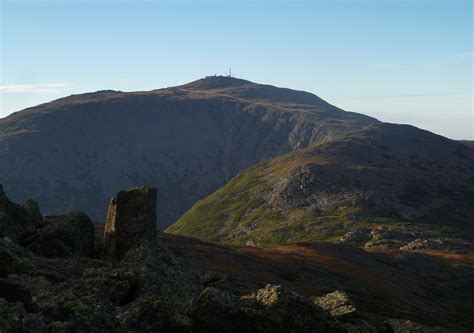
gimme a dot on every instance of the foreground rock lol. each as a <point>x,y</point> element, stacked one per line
<point>404,326</point>
<point>337,303</point>
<point>65,236</point>
<point>131,220</point>
<point>18,222</point>
<point>148,290</point>
<point>152,289</point>
<point>271,309</point>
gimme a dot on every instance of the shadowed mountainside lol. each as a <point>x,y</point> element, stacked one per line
<point>75,152</point>
<point>469,143</point>
<point>386,185</point>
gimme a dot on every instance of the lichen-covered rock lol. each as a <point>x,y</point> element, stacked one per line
<point>131,220</point>
<point>65,236</point>
<point>337,303</point>
<point>439,244</point>
<point>217,311</point>
<point>291,312</point>
<point>153,314</point>
<point>14,258</point>
<point>404,326</point>
<point>11,316</point>
<point>270,309</point>
<point>13,292</point>
<point>356,236</point>
<point>18,222</point>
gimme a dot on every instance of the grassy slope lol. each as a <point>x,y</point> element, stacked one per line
<point>238,212</point>
<point>239,202</point>
<point>241,210</point>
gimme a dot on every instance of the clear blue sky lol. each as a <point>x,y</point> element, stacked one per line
<point>400,61</point>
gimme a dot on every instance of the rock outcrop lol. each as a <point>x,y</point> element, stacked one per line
<point>404,326</point>
<point>131,220</point>
<point>63,236</point>
<point>337,303</point>
<point>154,287</point>
<point>18,222</point>
<point>374,177</point>
<point>270,309</point>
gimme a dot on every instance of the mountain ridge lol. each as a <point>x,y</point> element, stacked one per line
<point>386,184</point>
<point>85,147</point>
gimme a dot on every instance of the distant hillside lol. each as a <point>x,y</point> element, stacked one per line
<point>76,152</point>
<point>385,185</point>
<point>469,143</point>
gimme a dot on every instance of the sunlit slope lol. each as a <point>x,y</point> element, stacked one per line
<point>384,175</point>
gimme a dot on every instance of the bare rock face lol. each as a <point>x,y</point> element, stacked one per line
<point>131,221</point>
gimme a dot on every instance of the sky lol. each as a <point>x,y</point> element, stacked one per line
<point>399,61</point>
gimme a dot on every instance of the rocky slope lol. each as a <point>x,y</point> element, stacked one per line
<point>76,152</point>
<point>177,284</point>
<point>384,186</point>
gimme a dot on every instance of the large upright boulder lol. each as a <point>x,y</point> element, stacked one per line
<point>131,221</point>
<point>17,222</point>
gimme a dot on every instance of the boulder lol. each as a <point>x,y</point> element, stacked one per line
<point>153,314</point>
<point>217,311</point>
<point>33,212</point>
<point>13,291</point>
<point>404,325</point>
<point>18,222</point>
<point>64,236</point>
<point>356,236</point>
<point>439,244</point>
<point>270,309</point>
<point>14,259</point>
<point>337,303</point>
<point>131,220</point>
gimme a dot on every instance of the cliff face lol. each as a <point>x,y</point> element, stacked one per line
<point>76,152</point>
<point>386,185</point>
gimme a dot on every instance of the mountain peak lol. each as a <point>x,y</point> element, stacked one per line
<point>217,82</point>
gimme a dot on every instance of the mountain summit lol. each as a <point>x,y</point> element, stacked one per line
<point>187,141</point>
<point>249,91</point>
